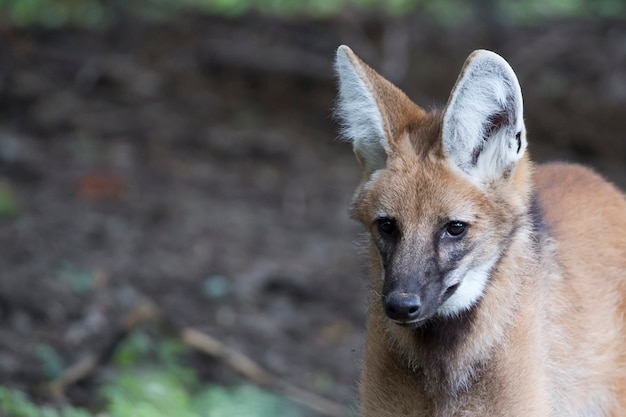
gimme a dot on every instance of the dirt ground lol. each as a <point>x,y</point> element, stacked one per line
<point>196,163</point>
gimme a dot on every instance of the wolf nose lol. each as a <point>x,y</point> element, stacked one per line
<point>402,306</point>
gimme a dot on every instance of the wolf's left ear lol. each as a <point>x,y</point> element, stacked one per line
<point>483,127</point>
<point>373,112</point>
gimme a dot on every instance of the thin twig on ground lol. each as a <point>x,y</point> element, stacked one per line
<point>147,311</point>
<point>256,374</point>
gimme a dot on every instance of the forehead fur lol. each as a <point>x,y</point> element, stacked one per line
<point>413,175</point>
<point>425,135</point>
<point>420,183</point>
<point>418,188</point>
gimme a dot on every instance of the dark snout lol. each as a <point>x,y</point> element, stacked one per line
<point>402,307</point>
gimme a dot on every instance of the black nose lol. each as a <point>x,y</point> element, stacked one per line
<point>402,306</point>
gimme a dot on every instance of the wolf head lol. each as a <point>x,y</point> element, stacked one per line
<point>442,192</point>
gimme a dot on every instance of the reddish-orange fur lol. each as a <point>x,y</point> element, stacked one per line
<point>548,336</point>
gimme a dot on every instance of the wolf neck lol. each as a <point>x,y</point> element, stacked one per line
<point>452,353</point>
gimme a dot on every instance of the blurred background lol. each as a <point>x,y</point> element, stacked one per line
<point>174,237</point>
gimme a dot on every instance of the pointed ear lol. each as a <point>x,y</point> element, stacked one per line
<point>372,111</point>
<point>483,127</point>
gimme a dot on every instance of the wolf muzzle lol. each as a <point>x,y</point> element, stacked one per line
<point>402,307</point>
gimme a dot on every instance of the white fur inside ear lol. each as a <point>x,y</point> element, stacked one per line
<point>483,128</point>
<point>361,121</point>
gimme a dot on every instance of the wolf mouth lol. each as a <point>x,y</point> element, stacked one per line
<point>420,320</point>
<point>413,324</point>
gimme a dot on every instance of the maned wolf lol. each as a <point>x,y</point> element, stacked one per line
<point>497,287</point>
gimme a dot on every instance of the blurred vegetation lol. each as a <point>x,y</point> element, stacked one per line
<point>50,361</point>
<point>10,206</point>
<point>15,403</point>
<point>151,379</point>
<point>101,13</point>
<point>159,394</point>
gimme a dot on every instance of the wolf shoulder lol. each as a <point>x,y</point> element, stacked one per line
<point>585,214</point>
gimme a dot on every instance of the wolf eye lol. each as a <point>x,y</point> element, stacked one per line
<point>386,226</point>
<point>456,228</point>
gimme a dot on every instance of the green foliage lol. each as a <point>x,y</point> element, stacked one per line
<point>51,362</point>
<point>14,403</point>
<point>448,12</point>
<point>153,382</point>
<point>142,352</point>
<point>529,11</point>
<point>149,393</point>
<point>156,393</point>
<point>56,13</point>
<point>242,401</point>
<point>79,280</point>
<point>95,13</point>
<point>137,345</point>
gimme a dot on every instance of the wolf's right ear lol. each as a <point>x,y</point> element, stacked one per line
<point>483,125</point>
<point>373,112</point>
